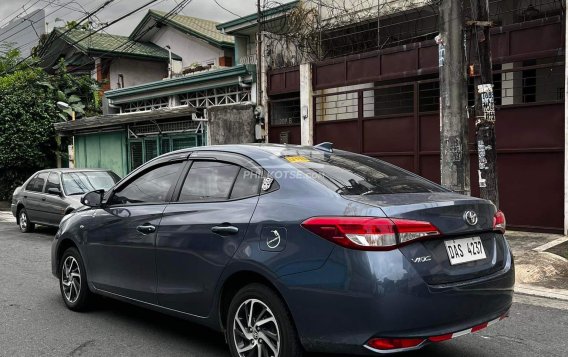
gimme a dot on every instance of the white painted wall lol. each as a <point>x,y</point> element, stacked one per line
<point>306,105</point>
<point>136,71</point>
<point>344,105</point>
<point>191,49</point>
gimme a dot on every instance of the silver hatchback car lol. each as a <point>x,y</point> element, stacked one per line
<point>48,195</point>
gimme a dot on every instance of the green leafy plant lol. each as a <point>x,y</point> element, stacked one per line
<point>28,110</point>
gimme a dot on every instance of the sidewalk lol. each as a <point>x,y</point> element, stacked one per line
<point>539,272</point>
<point>4,206</point>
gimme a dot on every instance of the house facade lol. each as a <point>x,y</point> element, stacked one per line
<point>163,111</point>
<point>114,61</point>
<point>195,40</point>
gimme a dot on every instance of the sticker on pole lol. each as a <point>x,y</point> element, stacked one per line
<point>487,103</point>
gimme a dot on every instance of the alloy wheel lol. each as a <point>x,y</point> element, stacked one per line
<point>23,221</point>
<point>255,330</point>
<point>71,279</point>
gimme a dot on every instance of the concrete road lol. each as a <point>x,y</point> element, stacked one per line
<point>34,320</point>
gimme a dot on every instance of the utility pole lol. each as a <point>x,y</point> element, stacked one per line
<point>258,54</point>
<point>454,156</point>
<point>484,101</point>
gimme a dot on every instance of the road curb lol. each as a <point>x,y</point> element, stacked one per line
<point>558,294</point>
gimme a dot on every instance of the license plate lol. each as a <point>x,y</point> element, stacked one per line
<point>465,250</point>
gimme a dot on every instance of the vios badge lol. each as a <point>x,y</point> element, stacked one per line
<point>273,239</point>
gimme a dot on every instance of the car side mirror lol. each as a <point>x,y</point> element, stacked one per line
<point>93,199</point>
<point>54,191</point>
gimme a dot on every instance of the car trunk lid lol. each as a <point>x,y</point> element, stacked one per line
<point>447,211</point>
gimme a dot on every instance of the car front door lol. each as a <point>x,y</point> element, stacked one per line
<point>34,198</point>
<point>121,236</point>
<point>202,230</point>
<point>54,204</point>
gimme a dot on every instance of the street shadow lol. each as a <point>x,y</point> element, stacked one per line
<point>44,230</point>
<point>204,338</point>
<point>161,324</point>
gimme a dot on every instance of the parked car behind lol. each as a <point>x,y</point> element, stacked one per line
<point>48,195</point>
<point>286,248</point>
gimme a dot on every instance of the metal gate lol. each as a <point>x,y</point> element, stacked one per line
<point>400,123</point>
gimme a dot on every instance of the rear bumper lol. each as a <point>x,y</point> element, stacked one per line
<point>359,295</point>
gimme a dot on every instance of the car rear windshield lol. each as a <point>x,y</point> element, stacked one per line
<point>78,183</point>
<point>352,174</point>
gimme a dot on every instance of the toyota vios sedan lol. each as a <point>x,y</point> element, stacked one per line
<point>289,249</point>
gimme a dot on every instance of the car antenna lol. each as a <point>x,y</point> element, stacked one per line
<point>325,146</point>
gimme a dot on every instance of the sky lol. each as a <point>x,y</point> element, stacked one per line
<point>68,10</point>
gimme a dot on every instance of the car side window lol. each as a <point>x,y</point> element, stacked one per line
<point>209,181</point>
<point>246,185</point>
<point>151,187</point>
<point>30,185</point>
<point>53,181</point>
<point>37,183</point>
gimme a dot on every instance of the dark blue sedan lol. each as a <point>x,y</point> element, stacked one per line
<point>289,249</point>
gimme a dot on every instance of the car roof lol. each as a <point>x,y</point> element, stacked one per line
<point>251,150</point>
<point>71,170</point>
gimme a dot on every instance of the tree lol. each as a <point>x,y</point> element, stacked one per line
<point>27,137</point>
<point>28,110</point>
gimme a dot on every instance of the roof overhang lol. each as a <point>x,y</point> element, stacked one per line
<point>104,122</point>
<point>243,25</point>
<point>150,20</point>
<point>57,44</point>
<point>198,81</point>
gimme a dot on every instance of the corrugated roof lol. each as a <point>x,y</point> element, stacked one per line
<point>113,44</point>
<point>195,26</point>
<point>107,120</point>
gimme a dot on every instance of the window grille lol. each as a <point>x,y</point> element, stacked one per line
<point>145,105</point>
<point>285,112</point>
<point>215,96</point>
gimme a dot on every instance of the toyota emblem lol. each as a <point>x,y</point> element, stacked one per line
<point>470,217</point>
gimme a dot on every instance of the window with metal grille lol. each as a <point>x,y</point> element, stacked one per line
<point>391,100</point>
<point>136,154</point>
<point>285,112</point>
<point>215,96</point>
<point>150,149</point>
<point>184,143</point>
<point>145,149</point>
<point>429,96</point>
<point>145,105</point>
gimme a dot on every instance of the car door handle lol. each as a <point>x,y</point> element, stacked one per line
<point>146,229</point>
<point>225,230</point>
<point>43,198</point>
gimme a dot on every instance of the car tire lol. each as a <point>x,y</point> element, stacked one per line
<point>73,281</point>
<point>276,338</point>
<point>24,221</point>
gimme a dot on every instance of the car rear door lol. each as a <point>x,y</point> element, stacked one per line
<point>202,230</point>
<point>121,237</point>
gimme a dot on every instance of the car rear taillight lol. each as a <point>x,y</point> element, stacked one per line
<point>499,222</point>
<point>369,233</point>
<point>390,344</point>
